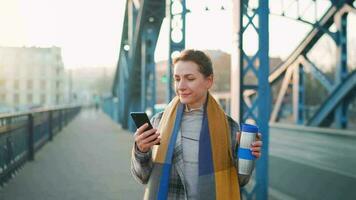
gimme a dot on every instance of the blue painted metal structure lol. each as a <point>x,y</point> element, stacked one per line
<point>109,105</point>
<point>298,94</point>
<point>341,68</point>
<point>176,15</point>
<point>259,108</point>
<point>344,92</point>
<point>335,14</point>
<point>131,66</point>
<point>148,73</point>
<point>134,84</point>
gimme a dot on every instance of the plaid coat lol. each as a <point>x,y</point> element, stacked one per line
<point>141,163</point>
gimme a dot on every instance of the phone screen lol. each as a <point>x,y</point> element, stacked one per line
<point>140,118</point>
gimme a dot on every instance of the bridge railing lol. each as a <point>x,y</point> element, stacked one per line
<point>110,106</point>
<point>23,134</point>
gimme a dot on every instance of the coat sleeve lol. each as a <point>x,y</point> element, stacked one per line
<point>141,163</point>
<point>234,128</point>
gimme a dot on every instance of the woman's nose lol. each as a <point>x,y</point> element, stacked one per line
<point>181,85</point>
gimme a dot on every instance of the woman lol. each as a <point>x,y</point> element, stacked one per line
<point>196,156</point>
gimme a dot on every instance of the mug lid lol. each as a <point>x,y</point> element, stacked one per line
<point>249,128</point>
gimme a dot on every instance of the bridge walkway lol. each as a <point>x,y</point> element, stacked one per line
<point>88,160</point>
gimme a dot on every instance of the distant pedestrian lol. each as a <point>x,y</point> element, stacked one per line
<point>196,156</point>
<point>97,102</point>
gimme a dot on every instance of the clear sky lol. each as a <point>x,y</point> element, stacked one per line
<point>89,31</point>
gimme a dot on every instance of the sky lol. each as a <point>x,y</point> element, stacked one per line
<point>89,32</point>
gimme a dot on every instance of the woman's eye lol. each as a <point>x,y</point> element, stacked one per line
<point>176,80</point>
<point>190,79</point>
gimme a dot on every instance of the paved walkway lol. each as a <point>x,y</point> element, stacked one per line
<point>89,159</point>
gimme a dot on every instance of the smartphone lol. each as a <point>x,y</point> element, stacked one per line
<point>140,118</point>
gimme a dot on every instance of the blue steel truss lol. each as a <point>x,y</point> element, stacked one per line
<point>319,28</point>
<point>317,73</point>
<point>136,18</point>
<point>341,68</point>
<point>255,17</point>
<point>134,83</point>
<point>335,14</point>
<point>176,14</point>
<point>148,72</point>
<point>298,94</point>
<point>344,92</point>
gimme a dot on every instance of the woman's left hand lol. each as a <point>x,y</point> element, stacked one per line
<point>256,145</point>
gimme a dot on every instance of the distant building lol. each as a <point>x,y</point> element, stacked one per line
<point>31,76</point>
<point>88,83</point>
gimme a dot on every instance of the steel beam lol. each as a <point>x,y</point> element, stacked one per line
<point>317,73</point>
<point>123,88</point>
<point>341,68</point>
<point>176,11</point>
<point>263,99</point>
<point>260,109</point>
<point>345,90</point>
<point>298,94</point>
<point>278,105</point>
<point>303,48</point>
<point>142,22</point>
<point>148,72</point>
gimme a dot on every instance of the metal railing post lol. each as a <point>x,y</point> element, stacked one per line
<point>60,120</point>
<point>31,139</point>
<point>50,126</point>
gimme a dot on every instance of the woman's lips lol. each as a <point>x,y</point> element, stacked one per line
<point>184,95</point>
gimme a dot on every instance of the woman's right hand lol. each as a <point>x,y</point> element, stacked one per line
<point>146,139</point>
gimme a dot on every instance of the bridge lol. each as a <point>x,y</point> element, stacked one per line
<point>89,158</point>
<point>77,152</point>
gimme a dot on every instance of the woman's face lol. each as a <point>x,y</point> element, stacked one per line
<point>190,85</point>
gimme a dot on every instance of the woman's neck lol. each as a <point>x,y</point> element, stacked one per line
<point>199,104</point>
<point>196,106</point>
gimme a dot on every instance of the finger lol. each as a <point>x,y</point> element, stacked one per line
<point>259,136</point>
<point>150,144</point>
<point>149,132</point>
<point>256,149</point>
<point>142,136</point>
<point>256,154</point>
<point>157,141</point>
<point>256,144</point>
<point>150,139</point>
<point>142,128</point>
<point>145,134</point>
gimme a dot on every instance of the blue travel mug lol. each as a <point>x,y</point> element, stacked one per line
<point>246,159</point>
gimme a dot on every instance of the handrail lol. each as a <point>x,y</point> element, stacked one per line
<point>38,110</point>
<point>22,134</point>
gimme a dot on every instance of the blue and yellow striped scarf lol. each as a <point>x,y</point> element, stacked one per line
<point>217,174</point>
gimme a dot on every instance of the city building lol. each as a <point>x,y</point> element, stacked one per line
<point>90,83</point>
<point>31,77</point>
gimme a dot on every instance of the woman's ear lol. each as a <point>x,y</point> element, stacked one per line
<point>210,81</point>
